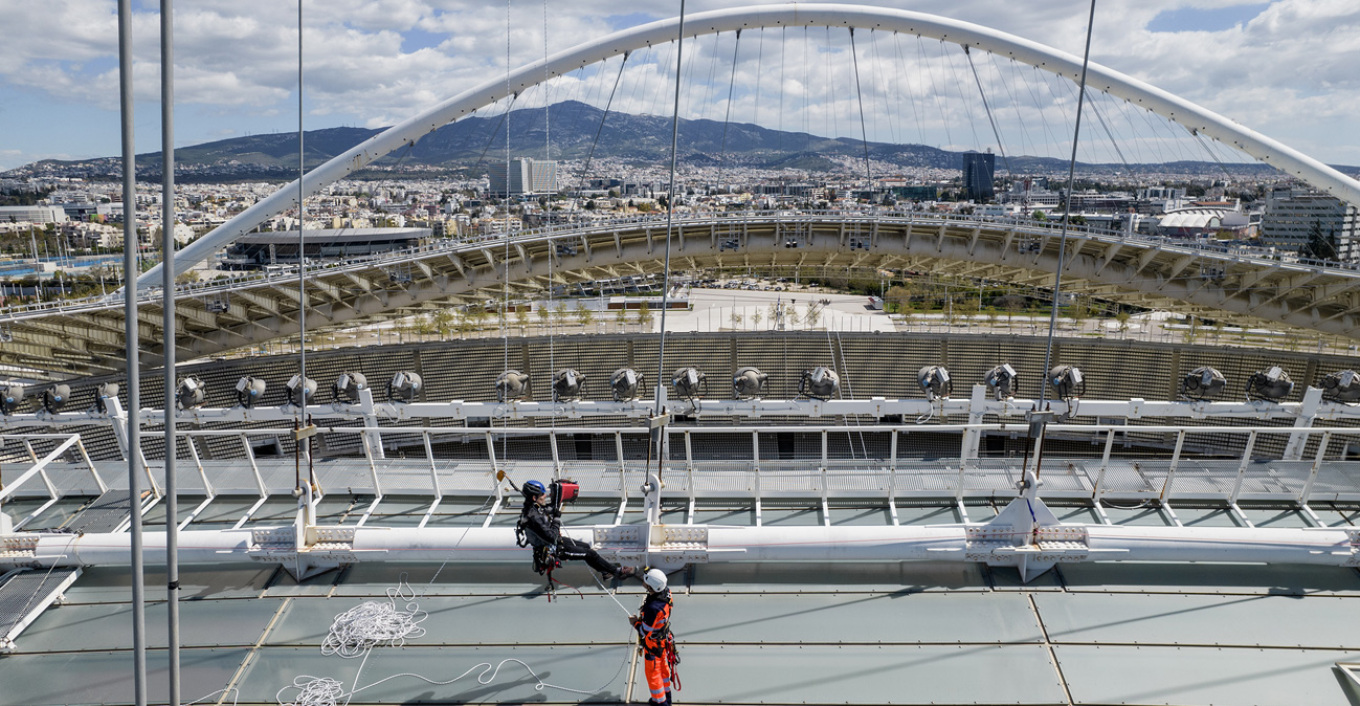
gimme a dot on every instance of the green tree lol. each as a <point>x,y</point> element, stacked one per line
<point>1319,246</point>
<point>644,315</point>
<point>584,317</point>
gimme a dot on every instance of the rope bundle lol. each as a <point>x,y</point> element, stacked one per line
<point>371,623</point>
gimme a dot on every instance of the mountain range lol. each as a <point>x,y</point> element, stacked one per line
<point>467,146</point>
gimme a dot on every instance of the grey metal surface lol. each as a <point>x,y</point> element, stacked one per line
<point>105,514</point>
<point>96,627</point>
<point>869,674</point>
<point>106,677</point>
<point>1203,675</point>
<point>1250,621</point>
<point>24,593</point>
<point>600,671</point>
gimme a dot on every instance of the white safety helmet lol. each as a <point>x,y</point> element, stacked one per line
<point>655,580</point>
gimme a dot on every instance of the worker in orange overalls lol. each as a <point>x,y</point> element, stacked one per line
<point>653,624</point>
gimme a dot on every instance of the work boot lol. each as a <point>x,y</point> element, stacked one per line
<point>668,698</point>
<point>626,572</point>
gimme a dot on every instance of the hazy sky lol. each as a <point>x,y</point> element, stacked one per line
<point>1285,68</point>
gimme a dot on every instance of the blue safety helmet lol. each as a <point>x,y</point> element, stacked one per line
<point>534,488</point>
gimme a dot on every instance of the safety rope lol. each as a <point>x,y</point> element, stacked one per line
<point>354,632</point>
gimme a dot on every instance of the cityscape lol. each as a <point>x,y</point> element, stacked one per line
<point>821,353</point>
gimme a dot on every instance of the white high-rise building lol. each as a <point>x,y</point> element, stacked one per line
<point>527,176</point>
<point>1292,215</point>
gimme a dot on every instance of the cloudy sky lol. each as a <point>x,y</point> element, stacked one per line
<point>1286,68</point>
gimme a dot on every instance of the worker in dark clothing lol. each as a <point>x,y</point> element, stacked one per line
<point>653,624</point>
<point>540,527</point>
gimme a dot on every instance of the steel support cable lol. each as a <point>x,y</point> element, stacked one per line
<point>1053,95</point>
<point>505,253</point>
<point>1067,212</point>
<point>807,84</point>
<point>1001,146</point>
<point>783,50</point>
<point>132,338</point>
<point>590,155</point>
<point>878,81</point>
<point>897,76</point>
<point>934,88</point>
<point>660,91</point>
<point>170,336</point>
<point>1026,142</point>
<point>547,155</point>
<point>1208,148</point>
<point>302,256</point>
<point>670,218</point>
<point>863,131</point>
<point>760,56</point>
<point>634,103</point>
<point>712,68</point>
<point>727,118</point>
<point>505,117</point>
<point>835,128</point>
<point>1049,138</point>
<point>1138,138</point>
<point>1095,110</point>
<point>948,60</point>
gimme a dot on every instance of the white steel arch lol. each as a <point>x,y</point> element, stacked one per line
<point>1193,117</point>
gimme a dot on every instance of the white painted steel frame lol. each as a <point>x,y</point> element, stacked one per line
<point>1195,118</point>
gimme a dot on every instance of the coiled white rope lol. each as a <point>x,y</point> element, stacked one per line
<point>370,623</point>
<point>358,630</point>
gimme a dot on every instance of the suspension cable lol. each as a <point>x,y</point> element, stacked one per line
<point>863,132</point>
<point>1067,214</point>
<point>590,156</point>
<point>988,107</point>
<point>727,119</point>
<point>670,218</point>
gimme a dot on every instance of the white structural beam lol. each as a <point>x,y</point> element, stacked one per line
<point>997,543</point>
<point>1195,118</point>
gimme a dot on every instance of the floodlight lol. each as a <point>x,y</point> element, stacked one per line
<point>190,393</point>
<point>12,397</point>
<point>512,385</point>
<point>748,383</point>
<point>347,386</point>
<point>690,383</point>
<point>404,386</point>
<point>820,382</point>
<point>1341,386</point>
<point>1202,383</point>
<point>1273,384</point>
<point>55,397</point>
<point>250,390</point>
<point>934,379</point>
<point>568,384</point>
<point>1067,381</point>
<point>1003,380</point>
<point>301,390</point>
<point>102,394</point>
<point>625,383</point>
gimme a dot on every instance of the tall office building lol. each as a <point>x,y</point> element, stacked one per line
<point>1292,215</point>
<point>978,168</point>
<point>527,176</point>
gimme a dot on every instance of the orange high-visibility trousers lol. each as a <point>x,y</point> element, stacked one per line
<point>658,678</point>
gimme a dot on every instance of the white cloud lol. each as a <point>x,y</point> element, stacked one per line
<point>1288,73</point>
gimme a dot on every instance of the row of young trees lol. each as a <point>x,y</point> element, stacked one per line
<point>445,322</point>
